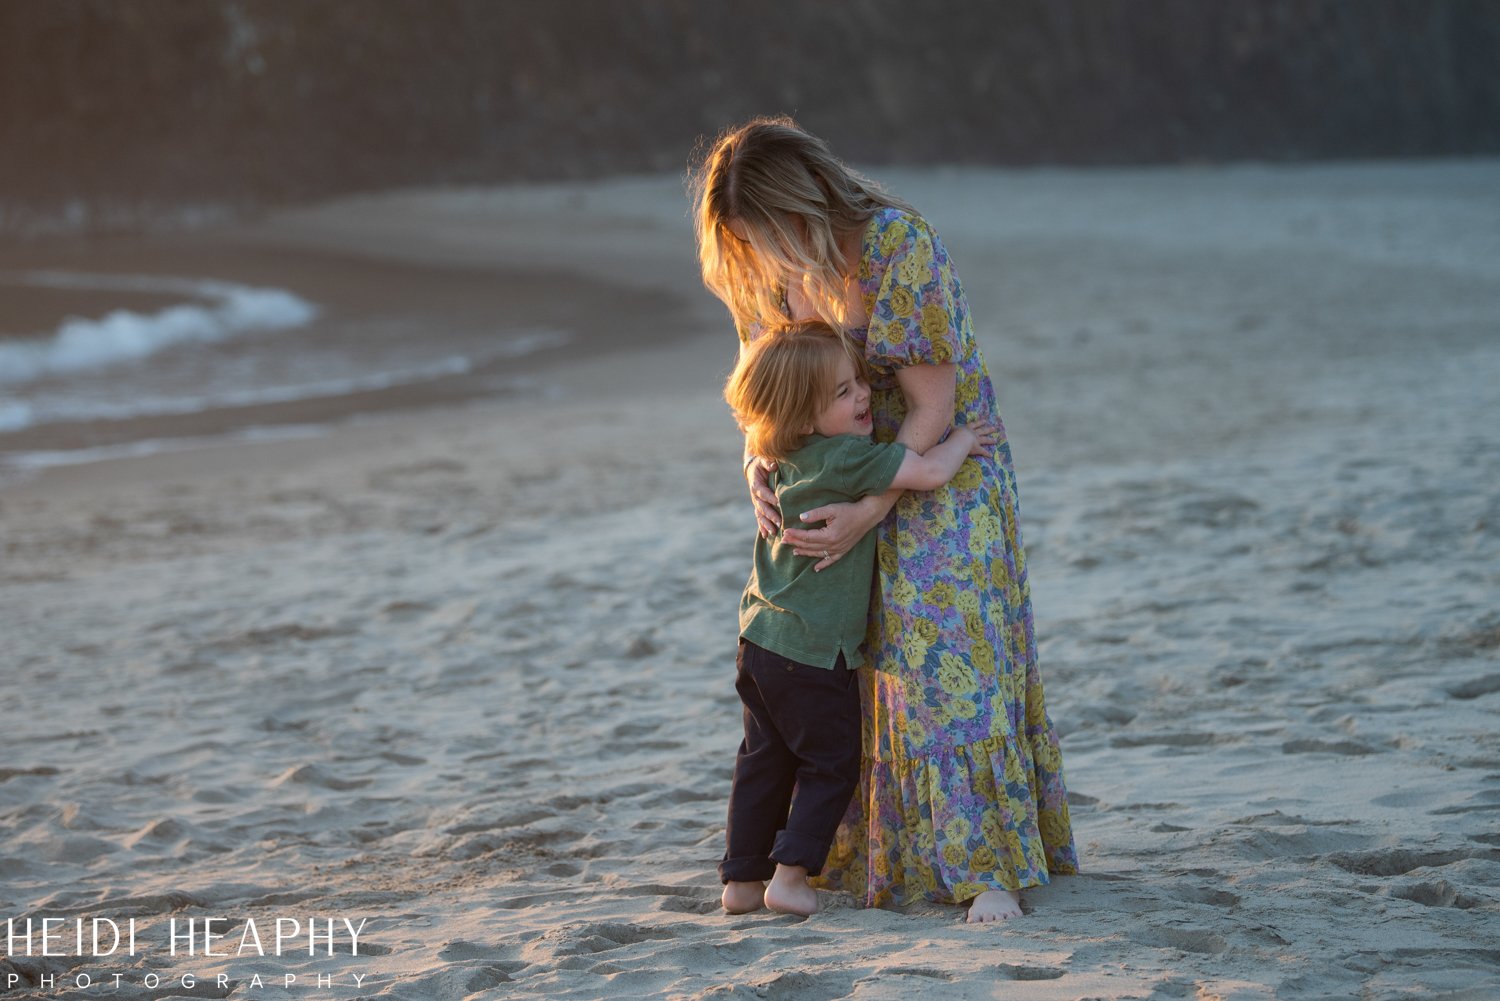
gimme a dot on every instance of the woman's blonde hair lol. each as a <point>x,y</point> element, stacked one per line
<point>796,201</point>
<point>784,380</point>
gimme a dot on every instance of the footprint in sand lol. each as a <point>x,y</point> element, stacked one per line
<point>1436,893</point>
<point>1399,861</point>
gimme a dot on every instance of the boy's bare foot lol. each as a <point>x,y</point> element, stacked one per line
<point>742,898</point>
<point>995,905</point>
<point>789,892</point>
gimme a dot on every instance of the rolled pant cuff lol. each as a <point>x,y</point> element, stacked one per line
<point>746,869</point>
<point>792,848</point>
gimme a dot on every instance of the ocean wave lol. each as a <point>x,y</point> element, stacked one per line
<point>17,415</point>
<point>82,344</point>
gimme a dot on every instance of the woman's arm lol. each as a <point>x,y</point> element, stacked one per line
<point>767,510</point>
<point>930,391</point>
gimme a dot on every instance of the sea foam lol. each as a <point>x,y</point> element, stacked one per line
<point>225,310</point>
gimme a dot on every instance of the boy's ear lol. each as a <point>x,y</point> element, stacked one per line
<point>807,430</point>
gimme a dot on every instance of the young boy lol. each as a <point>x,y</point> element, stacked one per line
<point>800,395</point>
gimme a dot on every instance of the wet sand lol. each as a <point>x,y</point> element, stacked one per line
<point>466,673</point>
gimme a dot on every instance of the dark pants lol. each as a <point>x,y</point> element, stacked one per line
<point>797,766</point>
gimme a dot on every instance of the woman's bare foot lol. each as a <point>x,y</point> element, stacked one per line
<point>789,892</point>
<point>742,898</point>
<point>995,905</point>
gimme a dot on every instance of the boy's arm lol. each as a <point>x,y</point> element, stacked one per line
<point>935,467</point>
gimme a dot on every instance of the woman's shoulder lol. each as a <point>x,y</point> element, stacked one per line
<point>895,217</point>
<point>894,228</point>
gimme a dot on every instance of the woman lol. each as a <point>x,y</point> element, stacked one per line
<point>962,796</point>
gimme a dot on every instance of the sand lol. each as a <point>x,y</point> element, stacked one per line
<point>465,673</point>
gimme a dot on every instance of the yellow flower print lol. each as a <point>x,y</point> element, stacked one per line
<point>963,709</point>
<point>1036,713</point>
<point>892,629</point>
<point>946,520</point>
<point>992,829</point>
<point>891,239</point>
<point>904,592</point>
<point>1055,829</point>
<point>921,252</point>
<point>925,629</point>
<point>977,545</point>
<point>958,829</point>
<point>1013,768</point>
<point>1000,575</point>
<point>969,477</point>
<point>906,544</point>
<point>882,865</point>
<point>936,322</point>
<point>942,594</point>
<point>968,603</point>
<point>911,688</point>
<point>911,273</point>
<point>954,855</point>
<point>886,557</point>
<point>982,654</point>
<point>903,303</point>
<point>942,717</point>
<point>955,676</point>
<point>983,860</point>
<point>916,733</point>
<point>916,652</point>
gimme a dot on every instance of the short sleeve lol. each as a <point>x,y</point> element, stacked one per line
<point>868,467</point>
<point>915,318</point>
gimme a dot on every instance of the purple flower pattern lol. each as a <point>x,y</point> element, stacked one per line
<point>963,785</point>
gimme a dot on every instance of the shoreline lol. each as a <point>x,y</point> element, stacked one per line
<point>323,255</point>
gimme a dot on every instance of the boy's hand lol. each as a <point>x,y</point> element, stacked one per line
<point>984,434</point>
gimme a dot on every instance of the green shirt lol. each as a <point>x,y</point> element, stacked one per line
<point>813,617</point>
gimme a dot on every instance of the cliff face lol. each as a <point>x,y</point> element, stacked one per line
<point>268,100</point>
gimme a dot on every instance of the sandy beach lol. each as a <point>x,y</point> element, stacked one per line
<point>459,665</point>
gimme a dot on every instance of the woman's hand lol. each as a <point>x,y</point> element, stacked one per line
<point>844,525</point>
<point>767,511</point>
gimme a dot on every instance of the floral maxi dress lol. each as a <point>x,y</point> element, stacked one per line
<point>962,788</point>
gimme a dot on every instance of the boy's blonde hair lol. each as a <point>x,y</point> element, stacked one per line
<point>783,380</point>
<point>796,201</point>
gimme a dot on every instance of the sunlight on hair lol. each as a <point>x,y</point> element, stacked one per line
<point>773,207</point>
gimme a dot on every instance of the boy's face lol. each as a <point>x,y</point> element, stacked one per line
<point>848,409</point>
